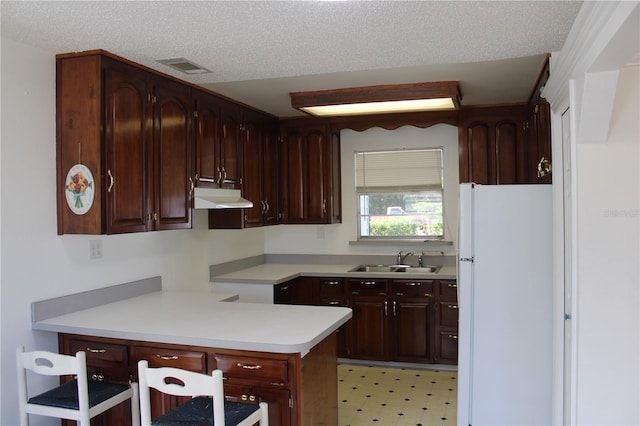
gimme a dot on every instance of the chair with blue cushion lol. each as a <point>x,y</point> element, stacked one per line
<point>79,399</point>
<point>201,409</point>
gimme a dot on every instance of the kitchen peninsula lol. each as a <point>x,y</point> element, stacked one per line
<point>284,355</point>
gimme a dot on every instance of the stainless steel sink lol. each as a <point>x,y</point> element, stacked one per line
<point>420,269</point>
<point>397,268</point>
<point>375,268</point>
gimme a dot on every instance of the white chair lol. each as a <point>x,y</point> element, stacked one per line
<point>200,410</point>
<point>77,399</point>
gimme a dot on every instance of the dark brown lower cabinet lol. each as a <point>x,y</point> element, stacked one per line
<point>446,349</point>
<point>276,398</point>
<point>299,390</point>
<point>370,328</point>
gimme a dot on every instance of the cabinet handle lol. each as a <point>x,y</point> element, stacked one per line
<point>268,206</point>
<point>386,308</point>
<point>399,293</point>
<point>355,292</point>
<point>97,377</point>
<point>452,306</point>
<point>368,282</point>
<point>249,367</point>
<point>111,180</point>
<point>219,176</point>
<point>96,351</point>
<point>453,336</point>
<point>191,187</point>
<point>544,167</point>
<point>394,308</point>
<point>286,287</point>
<point>224,174</point>
<point>332,282</point>
<point>334,303</point>
<point>452,285</point>
<point>412,284</point>
<point>167,357</point>
<point>428,295</point>
<point>155,217</point>
<point>264,207</point>
<point>251,398</point>
<point>277,384</point>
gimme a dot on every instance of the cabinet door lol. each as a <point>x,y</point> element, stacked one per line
<point>270,174</point>
<point>277,399</point>
<point>107,359</point>
<point>127,142</point>
<point>253,160</point>
<point>412,341</point>
<point>282,293</point>
<point>172,155</point>
<point>370,328</point>
<point>492,146</point>
<point>316,159</point>
<point>306,184</point>
<point>207,139</point>
<point>164,357</point>
<point>231,120</point>
<point>294,181</point>
<point>539,141</point>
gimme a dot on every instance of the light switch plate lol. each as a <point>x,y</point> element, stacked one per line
<point>95,249</point>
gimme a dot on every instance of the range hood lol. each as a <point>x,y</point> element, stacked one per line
<point>210,198</point>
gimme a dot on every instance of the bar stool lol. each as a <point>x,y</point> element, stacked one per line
<point>78,399</point>
<point>200,410</point>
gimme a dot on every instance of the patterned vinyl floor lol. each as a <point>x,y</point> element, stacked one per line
<point>390,396</point>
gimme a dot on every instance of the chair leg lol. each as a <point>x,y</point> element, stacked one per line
<point>135,405</point>
<point>264,407</point>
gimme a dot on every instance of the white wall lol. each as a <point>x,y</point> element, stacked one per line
<point>36,262</point>
<point>608,229</point>
<point>334,239</point>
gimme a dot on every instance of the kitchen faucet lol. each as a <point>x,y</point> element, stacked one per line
<point>402,257</point>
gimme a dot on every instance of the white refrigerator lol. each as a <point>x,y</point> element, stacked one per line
<point>505,305</point>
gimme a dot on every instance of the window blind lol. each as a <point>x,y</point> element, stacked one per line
<point>383,171</point>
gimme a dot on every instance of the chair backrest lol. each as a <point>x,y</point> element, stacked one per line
<point>190,383</point>
<point>52,364</point>
<point>49,363</point>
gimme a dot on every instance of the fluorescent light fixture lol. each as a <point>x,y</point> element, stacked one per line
<point>443,95</point>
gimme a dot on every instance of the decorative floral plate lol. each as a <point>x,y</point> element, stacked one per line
<point>79,189</point>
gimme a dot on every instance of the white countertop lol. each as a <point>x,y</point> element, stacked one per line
<point>203,319</point>
<point>275,273</point>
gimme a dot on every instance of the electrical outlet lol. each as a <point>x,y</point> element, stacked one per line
<point>95,249</point>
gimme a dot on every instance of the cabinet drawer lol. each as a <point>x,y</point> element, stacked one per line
<point>449,288</point>
<point>448,347</point>
<point>268,370</point>
<point>448,314</point>
<point>101,354</point>
<point>331,289</point>
<point>163,357</point>
<point>412,288</point>
<point>368,286</point>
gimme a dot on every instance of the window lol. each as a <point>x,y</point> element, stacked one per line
<point>399,194</point>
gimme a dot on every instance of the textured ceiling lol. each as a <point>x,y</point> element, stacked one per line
<point>258,51</point>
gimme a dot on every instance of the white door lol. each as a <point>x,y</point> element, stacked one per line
<point>569,300</point>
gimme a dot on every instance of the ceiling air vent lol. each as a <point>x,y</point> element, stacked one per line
<point>184,65</point>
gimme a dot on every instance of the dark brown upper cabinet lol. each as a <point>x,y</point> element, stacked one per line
<point>260,169</point>
<point>310,181</point>
<point>133,130</point>
<point>218,133</point>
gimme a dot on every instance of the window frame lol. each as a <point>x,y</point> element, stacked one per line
<point>398,189</point>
